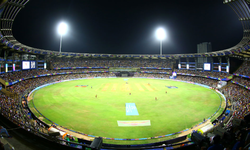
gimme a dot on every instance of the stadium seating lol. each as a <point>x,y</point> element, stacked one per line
<point>10,107</point>
<point>244,69</point>
<point>17,85</point>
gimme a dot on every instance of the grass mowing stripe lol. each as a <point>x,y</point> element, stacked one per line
<point>98,116</point>
<point>139,87</point>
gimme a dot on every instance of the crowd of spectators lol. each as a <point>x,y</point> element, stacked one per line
<point>201,80</point>
<point>158,71</point>
<point>14,76</point>
<point>242,80</point>
<point>204,73</point>
<point>244,69</point>
<point>237,127</point>
<point>151,75</point>
<point>20,87</point>
<point>15,108</point>
<point>210,82</point>
<point>240,98</point>
<point>18,113</point>
<point>78,70</point>
<point>11,109</point>
<point>79,62</point>
<point>74,62</point>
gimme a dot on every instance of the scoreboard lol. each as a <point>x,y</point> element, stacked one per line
<point>28,64</point>
<point>207,67</point>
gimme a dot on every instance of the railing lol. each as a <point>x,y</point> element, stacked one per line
<point>2,81</point>
<point>33,128</point>
<point>45,135</point>
<point>8,93</point>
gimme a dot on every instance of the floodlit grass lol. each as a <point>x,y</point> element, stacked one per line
<point>77,108</point>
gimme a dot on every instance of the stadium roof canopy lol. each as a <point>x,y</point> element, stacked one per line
<point>10,8</point>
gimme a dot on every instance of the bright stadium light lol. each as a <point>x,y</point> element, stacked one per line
<point>62,29</point>
<point>161,35</point>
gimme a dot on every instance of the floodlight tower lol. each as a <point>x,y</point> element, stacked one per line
<point>62,29</point>
<point>161,35</point>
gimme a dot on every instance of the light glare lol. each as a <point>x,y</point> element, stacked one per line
<point>62,28</point>
<point>160,34</point>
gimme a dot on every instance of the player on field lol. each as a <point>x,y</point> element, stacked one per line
<point>156,98</point>
<point>96,96</point>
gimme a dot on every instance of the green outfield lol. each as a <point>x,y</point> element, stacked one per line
<point>93,106</point>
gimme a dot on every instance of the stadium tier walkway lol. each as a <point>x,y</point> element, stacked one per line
<point>179,135</point>
<point>76,134</point>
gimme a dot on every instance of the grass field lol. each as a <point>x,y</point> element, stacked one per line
<point>79,109</point>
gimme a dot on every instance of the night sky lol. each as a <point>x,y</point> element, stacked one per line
<point>127,26</point>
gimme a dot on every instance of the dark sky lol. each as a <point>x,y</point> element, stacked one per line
<point>127,26</point>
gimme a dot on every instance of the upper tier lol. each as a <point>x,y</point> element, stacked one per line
<point>9,10</point>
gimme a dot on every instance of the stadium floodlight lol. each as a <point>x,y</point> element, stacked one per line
<point>62,29</point>
<point>161,35</point>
